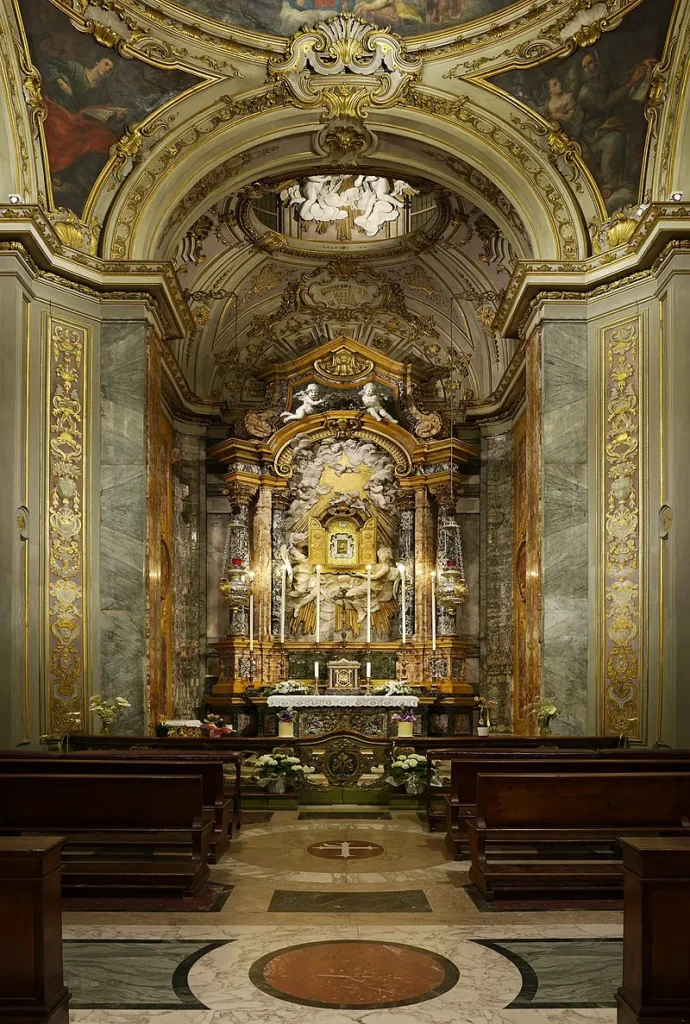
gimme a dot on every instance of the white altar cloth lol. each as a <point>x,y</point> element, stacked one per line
<point>340,700</point>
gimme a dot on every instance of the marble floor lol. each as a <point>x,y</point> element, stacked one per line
<point>335,920</point>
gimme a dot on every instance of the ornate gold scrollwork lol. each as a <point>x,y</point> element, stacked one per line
<point>67,345</point>
<point>622,472</point>
<point>346,65</point>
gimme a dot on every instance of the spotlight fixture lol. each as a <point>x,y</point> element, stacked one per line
<point>15,199</point>
<point>676,197</point>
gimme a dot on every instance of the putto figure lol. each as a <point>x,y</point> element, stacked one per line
<point>310,403</point>
<point>372,404</point>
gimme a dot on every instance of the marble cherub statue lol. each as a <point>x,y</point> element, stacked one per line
<point>310,402</point>
<point>372,404</point>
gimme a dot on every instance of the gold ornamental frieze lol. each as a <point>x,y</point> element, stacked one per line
<point>622,478</point>
<point>68,348</point>
<point>326,428</point>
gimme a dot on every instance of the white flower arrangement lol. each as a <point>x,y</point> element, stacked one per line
<point>275,767</point>
<point>410,770</point>
<point>291,686</point>
<point>394,688</point>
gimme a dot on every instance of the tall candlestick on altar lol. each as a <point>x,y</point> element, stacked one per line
<point>368,604</point>
<point>283,595</point>
<point>251,612</point>
<point>318,604</point>
<point>403,595</point>
<point>433,612</point>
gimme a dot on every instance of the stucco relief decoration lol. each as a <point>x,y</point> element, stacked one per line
<point>345,65</point>
<point>362,204</point>
<point>66,456</point>
<point>622,470</point>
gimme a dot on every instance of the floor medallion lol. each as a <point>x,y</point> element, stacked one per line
<point>354,974</point>
<point>336,849</point>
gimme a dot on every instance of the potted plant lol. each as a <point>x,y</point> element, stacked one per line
<point>276,770</point>
<point>484,720</point>
<point>73,722</point>
<point>162,728</point>
<point>545,712</point>
<point>405,719</point>
<point>108,713</point>
<point>215,727</point>
<point>286,722</point>
<point>410,770</point>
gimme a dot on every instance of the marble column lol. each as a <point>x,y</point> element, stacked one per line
<point>448,549</point>
<point>123,518</point>
<point>496,577</point>
<point>278,511</point>
<point>565,567</point>
<point>237,546</point>
<point>189,589</point>
<point>424,559</point>
<point>262,563</point>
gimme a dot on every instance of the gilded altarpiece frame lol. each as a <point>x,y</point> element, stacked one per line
<point>67,348</point>
<point>623,348</point>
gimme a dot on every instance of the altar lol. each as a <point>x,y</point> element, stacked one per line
<point>364,713</point>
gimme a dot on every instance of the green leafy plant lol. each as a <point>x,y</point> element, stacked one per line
<point>108,713</point>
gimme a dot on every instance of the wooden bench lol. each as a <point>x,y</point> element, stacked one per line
<point>117,829</point>
<point>32,988</point>
<point>566,810</point>
<point>460,802</point>
<point>217,809</point>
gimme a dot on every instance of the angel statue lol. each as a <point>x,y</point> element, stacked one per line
<point>310,403</point>
<point>379,202</point>
<point>372,404</point>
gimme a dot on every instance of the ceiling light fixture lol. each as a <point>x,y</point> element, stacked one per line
<point>676,197</point>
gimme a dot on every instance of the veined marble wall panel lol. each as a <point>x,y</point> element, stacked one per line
<point>468,614</point>
<point>216,533</point>
<point>123,518</point>
<point>565,567</point>
<point>496,577</point>
<point>189,597</point>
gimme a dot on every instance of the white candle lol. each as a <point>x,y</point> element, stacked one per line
<point>283,594</point>
<point>401,569</point>
<point>316,670</point>
<point>368,670</point>
<point>368,604</point>
<point>433,611</point>
<point>251,612</point>
<point>318,605</point>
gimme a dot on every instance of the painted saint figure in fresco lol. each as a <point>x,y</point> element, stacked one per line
<point>80,119</point>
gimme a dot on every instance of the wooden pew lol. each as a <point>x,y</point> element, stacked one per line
<point>656,938</point>
<point>103,815</point>
<point>32,988</point>
<point>460,803</point>
<point>578,809</point>
<point>217,809</point>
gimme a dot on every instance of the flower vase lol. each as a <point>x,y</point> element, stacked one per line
<point>415,785</point>
<point>286,728</point>
<point>405,728</point>
<point>105,728</point>
<point>482,730</point>
<point>545,725</point>
<point>277,785</point>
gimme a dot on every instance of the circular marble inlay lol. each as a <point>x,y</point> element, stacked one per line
<point>350,849</point>
<point>352,974</point>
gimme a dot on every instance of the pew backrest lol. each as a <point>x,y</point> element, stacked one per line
<point>592,800</point>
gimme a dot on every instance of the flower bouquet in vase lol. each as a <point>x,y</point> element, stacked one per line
<point>276,770</point>
<point>405,719</point>
<point>108,713</point>
<point>214,727</point>
<point>410,770</point>
<point>484,720</point>
<point>545,711</point>
<point>286,722</point>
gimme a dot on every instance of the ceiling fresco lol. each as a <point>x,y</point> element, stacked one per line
<point>598,98</point>
<point>91,95</point>
<point>408,17</point>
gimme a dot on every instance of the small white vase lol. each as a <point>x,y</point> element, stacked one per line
<point>405,728</point>
<point>286,728</point>
<point>482,730</point>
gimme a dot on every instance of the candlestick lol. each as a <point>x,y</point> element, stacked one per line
<point>251,612</point>
<point>318,604</point>
<point>433,612</point>
<point>368,604</point>
<point>401,570</point>
<point>283,595</point>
